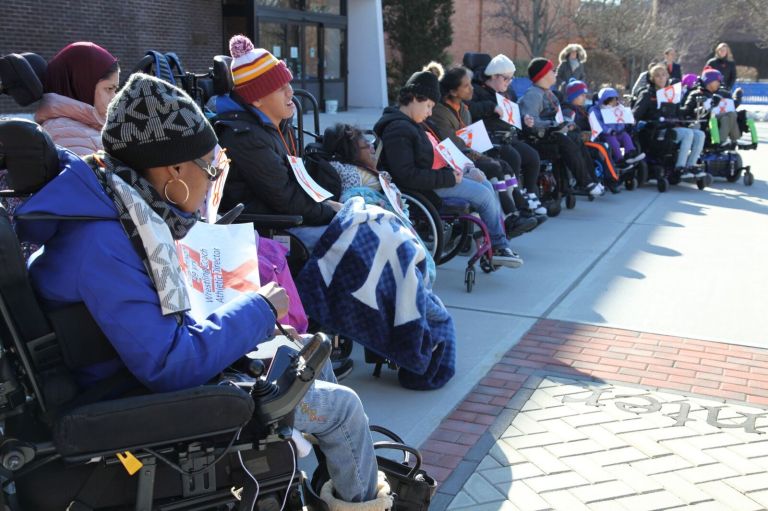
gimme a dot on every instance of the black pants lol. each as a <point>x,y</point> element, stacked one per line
<point>525,162</point>
<point>578,162</point>
<point>497,168</point>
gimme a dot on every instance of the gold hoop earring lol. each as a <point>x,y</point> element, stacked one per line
<point>186,190</point>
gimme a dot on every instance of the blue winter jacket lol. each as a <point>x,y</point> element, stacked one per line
<point>94,262</point>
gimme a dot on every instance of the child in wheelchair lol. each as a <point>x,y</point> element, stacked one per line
<point>124,269</point>
<point>702,103</point>
<point>615,134</point>
<point>542,105</point>
<point>409,154</point>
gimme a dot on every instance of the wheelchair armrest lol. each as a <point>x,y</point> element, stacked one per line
<point>270,221</point>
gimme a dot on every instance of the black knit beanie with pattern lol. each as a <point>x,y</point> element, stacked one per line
<point>151,123</point>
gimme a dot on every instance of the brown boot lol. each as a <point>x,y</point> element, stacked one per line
<point>382,502</point>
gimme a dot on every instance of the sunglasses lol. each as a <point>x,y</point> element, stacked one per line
<point>214,172</point>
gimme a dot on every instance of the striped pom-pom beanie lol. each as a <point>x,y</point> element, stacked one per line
<point>256,72</point>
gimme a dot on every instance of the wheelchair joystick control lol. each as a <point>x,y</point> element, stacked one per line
<point>256,368</point>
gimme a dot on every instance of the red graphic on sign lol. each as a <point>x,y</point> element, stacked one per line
<point>619,113</point>
<point>667,92</point>
<point>236,279</point>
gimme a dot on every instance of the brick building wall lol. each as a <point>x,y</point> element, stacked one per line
<point>472,22</point>
<point>127,28</point>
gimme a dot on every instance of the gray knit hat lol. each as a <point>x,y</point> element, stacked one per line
<point>151,123</point>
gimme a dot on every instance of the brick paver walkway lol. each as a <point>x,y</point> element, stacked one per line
<point>583,417</point>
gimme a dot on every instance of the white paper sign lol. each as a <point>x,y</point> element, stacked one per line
<point>453,155</point>
<point>476,137</point>
<point>511,112</point>
<point>618,114</point>
<point>594,125</point>
<point>216,192</point>
<point>314,190</point>
<point>559,116</point>
<point>671,94</point>
<point>391,195</point>
<point>726,105</point>
<point>219,262</point>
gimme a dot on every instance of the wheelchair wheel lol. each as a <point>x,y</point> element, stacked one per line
<point>570,200</point>
<point>459,238</point>
<point>469,279</point>
<point>701,183</point>
<point>426,221</point>
<point>630,184</point>
<point>554,209</point>
<point>749,178</point>
<point>641,173</point>
<point>674,178</point>
<point>662,184</point>
<point>736,165</point>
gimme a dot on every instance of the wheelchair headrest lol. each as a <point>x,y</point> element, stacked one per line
<point>29,154</point>
<point>21,76</point>
<point>222,75</point>
<point>476,61</point>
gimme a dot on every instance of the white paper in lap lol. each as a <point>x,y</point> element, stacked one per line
<point>219,262</point>
<point>476,137</point>
<point>309,185</point>
<point>619,114</point>
<point>452,154</point>
<point>511,111</point>
<point>391,196</point>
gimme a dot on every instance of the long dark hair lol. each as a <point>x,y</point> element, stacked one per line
<point>341,142</point>
<point>452,79</point>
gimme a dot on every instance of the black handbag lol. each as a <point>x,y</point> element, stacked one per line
<point>411,486</point>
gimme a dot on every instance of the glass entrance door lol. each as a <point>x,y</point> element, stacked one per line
<point>313,52</point>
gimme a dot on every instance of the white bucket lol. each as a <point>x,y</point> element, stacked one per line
<point>331,106</point>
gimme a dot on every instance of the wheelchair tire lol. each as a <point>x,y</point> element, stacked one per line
<point>749,178</point>
<point>469,279</point>
<point>630,184</point>
<point>570,200</point>
<point>426,220</point>
<point>674,178</point>
<point>461,241</point>
<point>641,173</point>
<point>554,209</point>
<point>738,163</point>
<point>662,184</point>
<point>701,183</point>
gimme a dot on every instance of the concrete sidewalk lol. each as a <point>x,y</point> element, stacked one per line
<point>686,264</point>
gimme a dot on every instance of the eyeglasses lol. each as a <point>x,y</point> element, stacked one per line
<point>214,172</point>
<point>506,78</point>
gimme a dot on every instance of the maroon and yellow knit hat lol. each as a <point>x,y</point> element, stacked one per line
<point>256,72</point>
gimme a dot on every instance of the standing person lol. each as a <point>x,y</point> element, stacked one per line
<point>79,83</point>
<point>134,295</point>
<point>542,105</point>
<point>691,141</point>
<point>410,156</point>
<point>673,68</point>
<point>723,62</point>
<point>522,158</point>
<point>451,114</point>
<point>571,66</point>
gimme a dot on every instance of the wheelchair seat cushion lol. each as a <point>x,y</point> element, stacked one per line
<point>454,206</point>
<point>154,419</point>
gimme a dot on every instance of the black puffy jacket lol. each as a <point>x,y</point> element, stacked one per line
<point>645,107</point>
<point>407,153</point>
<point>259,174</point>
<point>483,107</point>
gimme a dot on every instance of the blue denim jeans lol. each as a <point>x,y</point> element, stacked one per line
<point>484,199</point>
<point>334,414</point>
<point>691,144</point>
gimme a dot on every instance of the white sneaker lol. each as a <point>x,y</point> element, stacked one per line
<point>534,204</point>
<point>687,174</point>
<point>700,174</point>
<point>507,257</point>
<point>636,159</point>
<point>595,189</point>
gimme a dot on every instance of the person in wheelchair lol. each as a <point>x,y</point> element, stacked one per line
<point>410,156</point>
<point>542,105</point>
<point>703,98</point>
<point>580,131</point>
<point>496,78</point>
<point>451,114</point>
<point>668,116</point>
<point>615,135</point>
<point>146,191</point>
<point>79,83</point>
<point>253,124</point>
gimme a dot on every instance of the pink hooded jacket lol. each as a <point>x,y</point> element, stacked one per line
<point>72,124</point>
